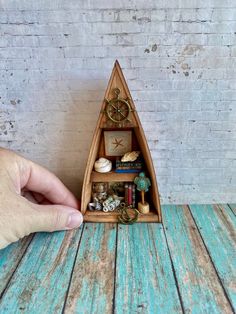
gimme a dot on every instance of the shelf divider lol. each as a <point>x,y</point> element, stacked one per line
<point>112,176</point>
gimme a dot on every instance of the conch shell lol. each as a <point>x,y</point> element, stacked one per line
<point>103,165</point>
<point>130,156</point>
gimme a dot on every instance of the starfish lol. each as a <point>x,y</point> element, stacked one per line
<point>117,143</point>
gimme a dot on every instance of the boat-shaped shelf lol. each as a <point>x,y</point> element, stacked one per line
<point>118,131</point>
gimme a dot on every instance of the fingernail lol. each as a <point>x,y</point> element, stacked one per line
<point>75,220</point>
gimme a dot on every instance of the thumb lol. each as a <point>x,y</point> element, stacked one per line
<point>24,217</point>
<point>55,217</point>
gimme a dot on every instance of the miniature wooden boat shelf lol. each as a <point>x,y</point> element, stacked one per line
<point>128,181</point>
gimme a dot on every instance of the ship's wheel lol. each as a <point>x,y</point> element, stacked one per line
<point>117,109</point>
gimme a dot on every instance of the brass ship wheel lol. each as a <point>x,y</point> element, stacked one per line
<point>117,109</point>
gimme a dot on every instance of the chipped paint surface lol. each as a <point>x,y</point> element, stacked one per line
<point>186,265</point>
<point>218,227</point>
<point>92,284</point>
<point>9,259</point>
<point>195,273</point>
<point>144,267</point>
<point>43,274</point>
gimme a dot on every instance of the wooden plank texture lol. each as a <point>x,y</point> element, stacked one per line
<point>144,279</point>
<point>233,208</point>
<point>217,225</point>
<point>36,277</point>
<point>10,257</point>
<point>92,284</point>
<point>40,283</point>
<point>198,283</point>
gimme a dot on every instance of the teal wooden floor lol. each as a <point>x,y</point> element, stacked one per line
<point>186,265</point>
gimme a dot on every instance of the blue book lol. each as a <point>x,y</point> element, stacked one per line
<point>127,170</point>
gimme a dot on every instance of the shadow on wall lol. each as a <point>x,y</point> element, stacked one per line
<point>74,133</point>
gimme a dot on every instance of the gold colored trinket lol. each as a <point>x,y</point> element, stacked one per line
<point>118,109</point>
<point>124,217</point>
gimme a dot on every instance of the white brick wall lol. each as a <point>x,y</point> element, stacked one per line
<point>179,57</point>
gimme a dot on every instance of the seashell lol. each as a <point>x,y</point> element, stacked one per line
<point>130,156</point>
<point>103,165</point>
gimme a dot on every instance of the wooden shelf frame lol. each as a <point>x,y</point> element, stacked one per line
<point>93,216</point>
<point>117,80</point>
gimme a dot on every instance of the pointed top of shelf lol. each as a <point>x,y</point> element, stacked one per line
<point>117,80</point>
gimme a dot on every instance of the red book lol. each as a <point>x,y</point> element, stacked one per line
<point>130,198</point>
<point>126,194</point>
<point>133,196</point>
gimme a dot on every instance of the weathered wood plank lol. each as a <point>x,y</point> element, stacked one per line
<point>144,278</point>
<point>217,225</point>
<point>40,283</point>
<point>233,208</point>
<point>198,283</point>
<point>10,257</point>
<point>92,284</point>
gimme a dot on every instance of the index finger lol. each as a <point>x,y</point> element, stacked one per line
<point>41,180</point>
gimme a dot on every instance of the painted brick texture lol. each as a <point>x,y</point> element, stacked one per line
<point>179,58</point>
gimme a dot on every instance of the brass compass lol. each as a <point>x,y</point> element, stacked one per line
<point>118,109</point>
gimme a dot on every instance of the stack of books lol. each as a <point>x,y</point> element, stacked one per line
<point>130,194</point>
<point>128,166</point>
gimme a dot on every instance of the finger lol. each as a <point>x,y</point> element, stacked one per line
<point>40,198</point>
<point>15,224</point>
<point>55,217</point>
<point>29,196</point>
<point>42,181</point>
<point>35,197</point>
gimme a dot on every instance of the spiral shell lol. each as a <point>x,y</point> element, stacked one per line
<point>103,165</point>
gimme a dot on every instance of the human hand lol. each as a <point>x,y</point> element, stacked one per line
<point>32,199</point>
